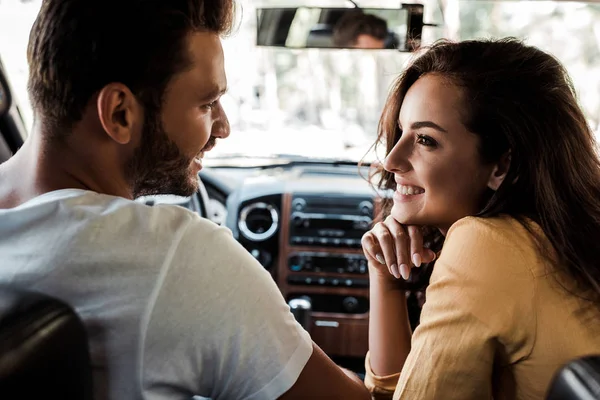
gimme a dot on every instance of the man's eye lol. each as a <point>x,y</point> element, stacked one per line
<point>426,141</point>
<point>210,106</point>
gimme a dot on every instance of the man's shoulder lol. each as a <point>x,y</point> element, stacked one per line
<point>115,220</point>
<point>136,216</point>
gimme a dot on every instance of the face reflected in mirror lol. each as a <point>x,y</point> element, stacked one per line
<point>340,28</point>
<point>369,42</point>
<point>440,176</point>
<point>359,30</point>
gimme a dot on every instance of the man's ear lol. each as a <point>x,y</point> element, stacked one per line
<point>500,171</point>
<point>118,111</point>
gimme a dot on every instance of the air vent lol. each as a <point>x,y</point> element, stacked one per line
<point>258,221</point>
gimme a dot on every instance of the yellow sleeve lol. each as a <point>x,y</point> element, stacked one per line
<point>478,314</point>
<point>381,387</point>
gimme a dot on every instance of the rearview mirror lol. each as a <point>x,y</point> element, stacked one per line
<point>343,28</point>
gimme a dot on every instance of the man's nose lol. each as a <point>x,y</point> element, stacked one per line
<point>221,128</point>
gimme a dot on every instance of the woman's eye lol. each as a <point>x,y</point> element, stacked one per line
<point>426,141</point>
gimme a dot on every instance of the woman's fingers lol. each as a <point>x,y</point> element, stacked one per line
<point>397,248</point>
<point>388,249</point>
<point>401,242</point>
<point>370,247</point>
<point>379,248</point>
<point>429,256</point>
<point>416,245</point>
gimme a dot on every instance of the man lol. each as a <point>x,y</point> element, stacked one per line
<point>126,100</point>
<point>358,30</point>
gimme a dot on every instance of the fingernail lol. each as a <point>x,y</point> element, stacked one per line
<point>394,269</point>
<point>380,258</point>
<point>416,259</point>
<point>405,271</point>
<point>433,254</point>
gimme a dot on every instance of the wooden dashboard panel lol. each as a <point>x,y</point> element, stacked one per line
<point>338,334</point>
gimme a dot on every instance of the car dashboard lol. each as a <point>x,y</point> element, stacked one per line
<point>304,225</point>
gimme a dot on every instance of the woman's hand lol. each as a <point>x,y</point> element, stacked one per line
<point>392,249</point>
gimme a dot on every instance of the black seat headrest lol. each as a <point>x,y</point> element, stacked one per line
<point>43,348</point>
<point>578,380</point>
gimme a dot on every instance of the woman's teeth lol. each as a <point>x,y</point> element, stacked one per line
<point>409,190</point>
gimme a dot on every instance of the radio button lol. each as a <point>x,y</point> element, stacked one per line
<point>349,282</point>
<point>322,281</point>
<point>335,282</point>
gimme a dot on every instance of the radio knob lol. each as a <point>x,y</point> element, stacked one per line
<point>365,207</point>
<point>350,304</point>
<point>298,220</point>
<point>298,204</point>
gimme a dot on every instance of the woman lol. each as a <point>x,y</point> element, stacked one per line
<point>489,154</point>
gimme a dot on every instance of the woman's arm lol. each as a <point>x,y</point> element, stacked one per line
<point>389,328</point>
<point>390,249</point>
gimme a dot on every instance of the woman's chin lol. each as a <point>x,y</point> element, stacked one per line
<point>404,216</point>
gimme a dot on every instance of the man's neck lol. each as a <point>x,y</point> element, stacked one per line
<point>40,167</point>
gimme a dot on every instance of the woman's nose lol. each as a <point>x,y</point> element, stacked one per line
<point>398,159</point>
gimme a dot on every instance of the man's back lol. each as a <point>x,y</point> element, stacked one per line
<point>165,295</point>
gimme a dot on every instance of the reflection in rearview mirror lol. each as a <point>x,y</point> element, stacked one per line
<point>346,28</point>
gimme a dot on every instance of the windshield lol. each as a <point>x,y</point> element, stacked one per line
<point>320,103</point>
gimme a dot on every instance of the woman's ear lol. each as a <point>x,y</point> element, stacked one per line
<point>500,171</point>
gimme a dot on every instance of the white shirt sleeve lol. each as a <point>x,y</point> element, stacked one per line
<point>218,326</point>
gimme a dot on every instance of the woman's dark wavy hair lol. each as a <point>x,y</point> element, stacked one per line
<point>521,99</point>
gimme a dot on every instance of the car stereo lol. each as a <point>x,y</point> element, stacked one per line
<point>330,220</point>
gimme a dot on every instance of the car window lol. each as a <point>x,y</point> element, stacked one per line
<point>326,103</point>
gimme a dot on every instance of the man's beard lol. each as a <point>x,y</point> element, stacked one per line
<point>158,166</point>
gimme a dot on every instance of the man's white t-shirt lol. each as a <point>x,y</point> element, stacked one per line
<point>174,307</point>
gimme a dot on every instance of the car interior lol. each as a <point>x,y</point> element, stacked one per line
<point>299,209</point>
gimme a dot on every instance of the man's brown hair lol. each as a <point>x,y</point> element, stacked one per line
<point>355,23</point>
<point>76,47</point>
